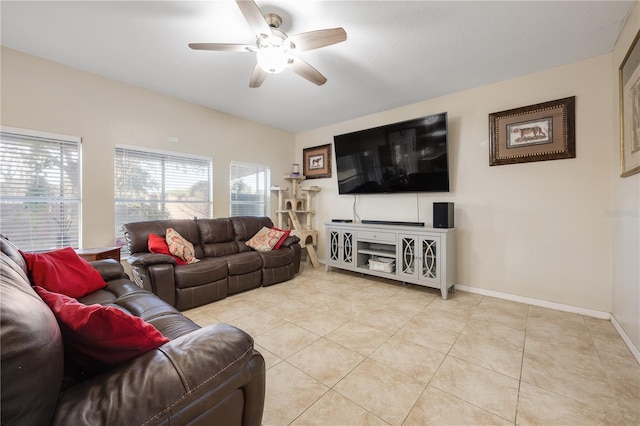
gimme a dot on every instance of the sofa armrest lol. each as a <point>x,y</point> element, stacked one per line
<point>150,272</point>
<point>110,269</point>
<point>154,273</point>
<point>146,259</point>
<point>195,376</point>
<point>290,240</point>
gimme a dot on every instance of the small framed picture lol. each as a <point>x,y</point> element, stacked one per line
<point>317,162</point>
<point>538,132</point>
<point>630,110</point>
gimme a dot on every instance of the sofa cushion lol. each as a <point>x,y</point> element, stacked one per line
<point>222,249</point>
<point>214,231</point>
<point>245,227</point>
<point>208,270</point>
<point>265,239</point>
<point>217,237</point>
<point>158,244</point>
<point>98,337</point>
<point>63,271</point>
<point>243,263</point>
<point>179,246</point>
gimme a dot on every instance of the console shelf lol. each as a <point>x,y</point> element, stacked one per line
<point>423,256</point>
<point>381,253</point>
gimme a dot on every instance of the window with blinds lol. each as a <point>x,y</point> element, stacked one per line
<point>153,185</point>
<point>249,186</point>
<point>39,189</point>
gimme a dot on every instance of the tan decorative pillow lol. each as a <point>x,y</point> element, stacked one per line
<point>180,247</point>
<point>265,239</point>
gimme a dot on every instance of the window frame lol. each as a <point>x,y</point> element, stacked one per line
<point>160,155</point>
<point>259,168</point>
<point>77,200</point>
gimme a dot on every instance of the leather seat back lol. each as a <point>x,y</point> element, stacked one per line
<point>137,233</point>
<point>32,349</point>
<point>246,227</point>
<point>217,237</point>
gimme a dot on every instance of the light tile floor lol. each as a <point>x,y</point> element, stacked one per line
<point>345,349</point>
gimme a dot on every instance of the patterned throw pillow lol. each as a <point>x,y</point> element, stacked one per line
<point>180,247</point>
<point>158,244</point>
<point>265,239</point>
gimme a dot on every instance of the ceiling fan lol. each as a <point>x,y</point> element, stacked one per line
<point>275,50</point>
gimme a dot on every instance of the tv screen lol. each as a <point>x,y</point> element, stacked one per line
<point>410,156</point>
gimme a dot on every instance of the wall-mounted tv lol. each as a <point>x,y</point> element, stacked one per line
<point>409,156</point>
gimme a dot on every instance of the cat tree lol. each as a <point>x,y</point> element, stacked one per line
<point>289,210</point>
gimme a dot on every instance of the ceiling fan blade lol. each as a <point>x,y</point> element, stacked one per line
<point>221,47</point>
<point>257,77</point>
<point>254,17</point>
<point>303,69</point>
<point>319,38</point>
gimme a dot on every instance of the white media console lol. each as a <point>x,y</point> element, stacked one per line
<point>423,256</point>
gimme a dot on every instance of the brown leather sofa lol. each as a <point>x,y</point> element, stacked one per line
<point>204,376</point>
<point>227,266</point>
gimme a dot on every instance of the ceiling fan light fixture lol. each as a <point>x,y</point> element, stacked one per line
<point>275,50</point>
<point>272,59</point>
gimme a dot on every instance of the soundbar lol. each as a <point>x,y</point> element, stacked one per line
<point>342,220</point>
<point>391,222</point>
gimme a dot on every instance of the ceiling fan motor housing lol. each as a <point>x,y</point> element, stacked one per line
<point>273,20</point>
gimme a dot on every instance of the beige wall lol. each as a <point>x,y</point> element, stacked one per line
<point>539,230</point>
<point>536,230</point>
<point>625,223</point>
<point>46,96</point>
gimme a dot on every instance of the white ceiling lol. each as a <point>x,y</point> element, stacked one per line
<point>396,53</point>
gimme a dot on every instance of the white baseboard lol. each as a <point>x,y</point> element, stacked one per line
<point>536,302</point>
<point>625,337</point>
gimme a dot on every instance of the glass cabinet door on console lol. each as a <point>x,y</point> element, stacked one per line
<point>430,259</point>
<point>419,257</point>
<point>408,256</point>
<point>340,247</point>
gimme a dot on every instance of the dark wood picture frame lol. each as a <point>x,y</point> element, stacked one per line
<point>539,132</point>
<point>317,162</point>
<point>629,77</point>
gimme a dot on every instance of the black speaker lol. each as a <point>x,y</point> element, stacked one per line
<point>443,215</point>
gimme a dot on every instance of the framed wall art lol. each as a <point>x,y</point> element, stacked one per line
<point>539,132</point>
<point>317,162</point>
<point>630,110</point>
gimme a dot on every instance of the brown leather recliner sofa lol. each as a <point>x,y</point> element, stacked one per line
<point>227,266</point>
<point>204,376</point>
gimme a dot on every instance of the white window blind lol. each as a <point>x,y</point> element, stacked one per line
<point>39,189</point>
<point>152,185</point>
<point>249,189</point>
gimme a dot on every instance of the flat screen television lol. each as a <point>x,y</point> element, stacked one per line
<point>409,156</point>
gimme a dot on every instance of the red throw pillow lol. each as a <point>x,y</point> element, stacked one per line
<point>63,271</point>
<point>98,337</point>
<point>284,237</point>
<point>158,244</point>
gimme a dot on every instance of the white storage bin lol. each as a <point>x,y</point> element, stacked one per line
<point>383,264</point>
